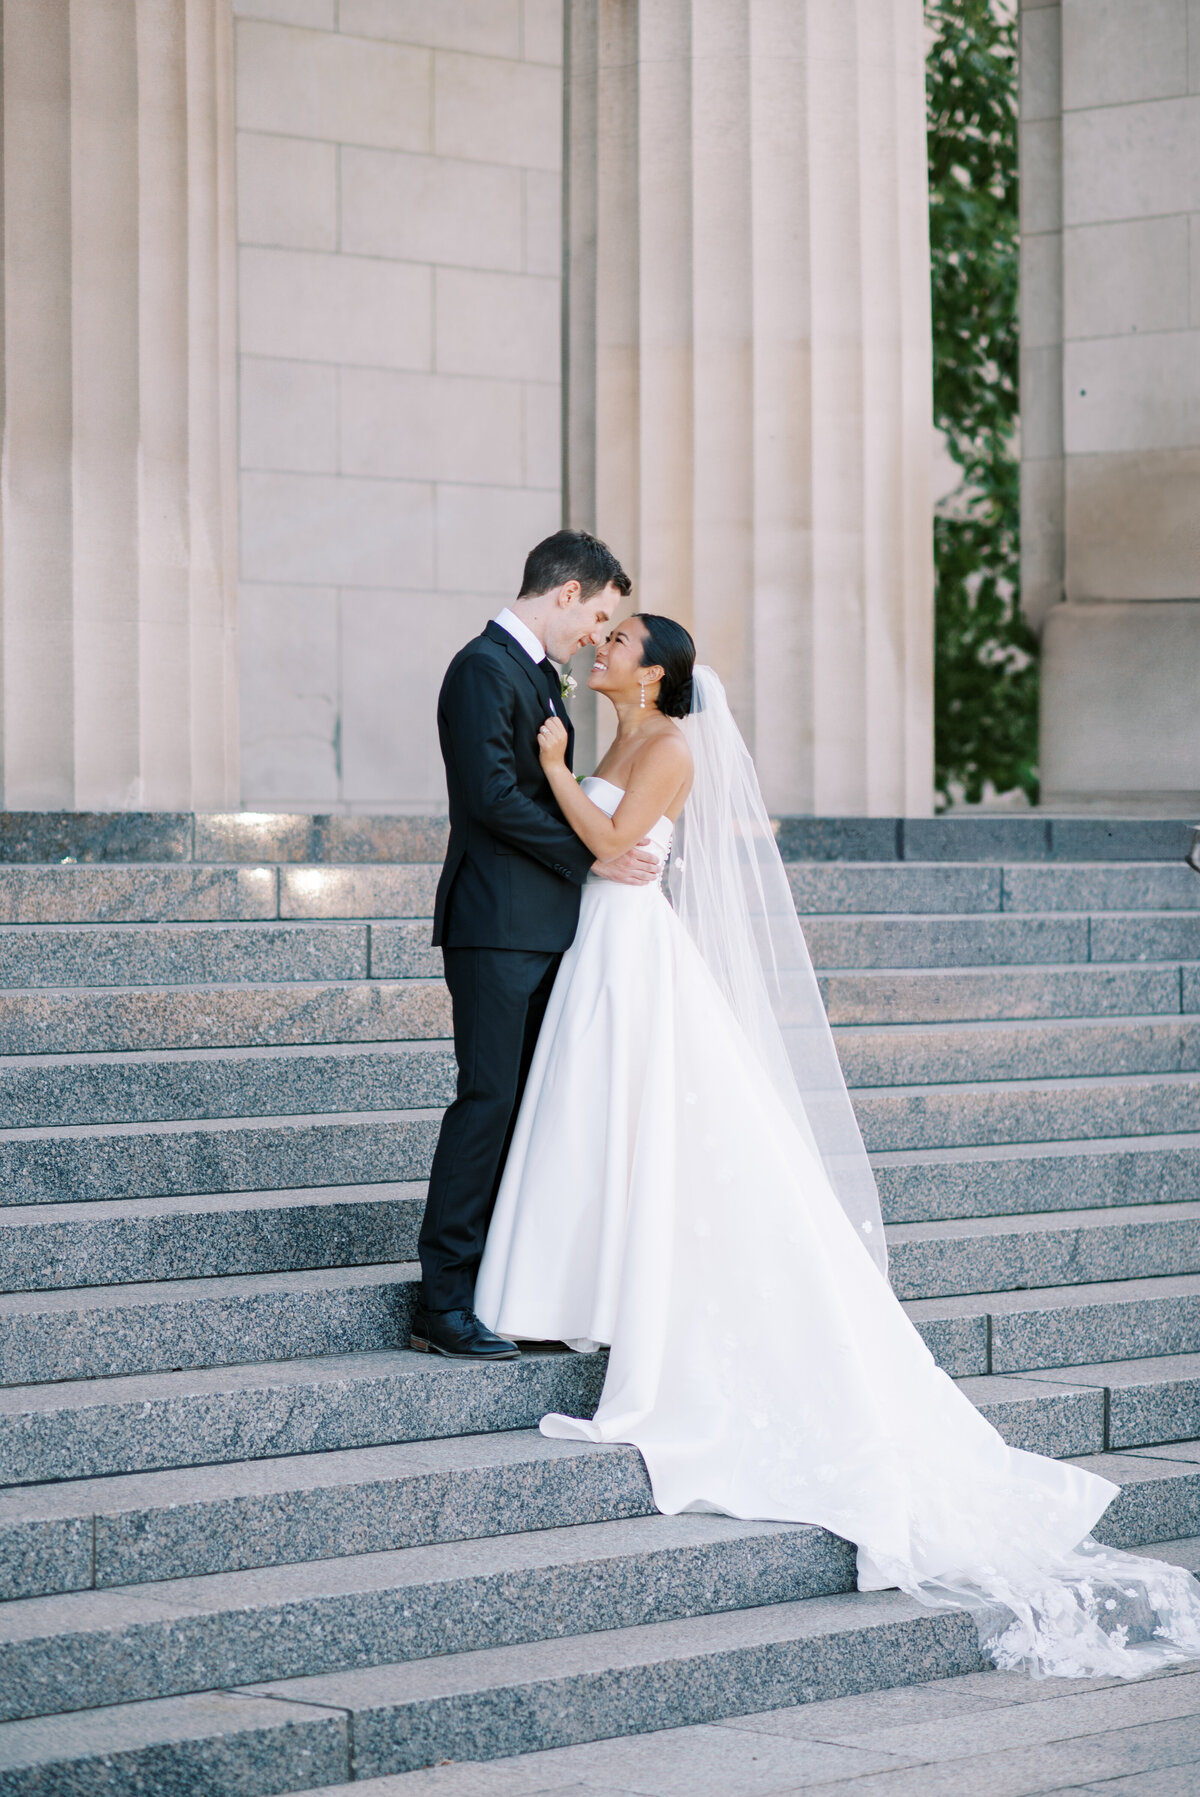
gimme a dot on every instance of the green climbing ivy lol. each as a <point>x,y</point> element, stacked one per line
<point>985,661</point>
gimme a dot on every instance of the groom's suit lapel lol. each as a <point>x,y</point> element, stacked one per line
<point>527,665</point>
<point>540,676</point>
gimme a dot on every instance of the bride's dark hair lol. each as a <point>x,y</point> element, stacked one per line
<point>671,646</point>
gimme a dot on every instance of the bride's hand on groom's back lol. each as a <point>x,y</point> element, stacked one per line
<point>636,867</point>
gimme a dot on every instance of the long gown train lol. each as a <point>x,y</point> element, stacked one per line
<point>659,1198</point>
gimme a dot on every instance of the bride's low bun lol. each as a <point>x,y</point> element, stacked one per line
<point>670,646</point>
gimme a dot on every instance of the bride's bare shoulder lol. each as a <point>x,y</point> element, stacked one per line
<point>667,748</point>
<point>664,768</point>
<point>661,759</point>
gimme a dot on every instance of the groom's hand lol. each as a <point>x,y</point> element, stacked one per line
<point>636,867</point>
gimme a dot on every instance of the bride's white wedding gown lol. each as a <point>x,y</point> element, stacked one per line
<point>658,1197</point>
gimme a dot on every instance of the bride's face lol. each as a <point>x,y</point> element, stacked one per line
<point>619,661</point>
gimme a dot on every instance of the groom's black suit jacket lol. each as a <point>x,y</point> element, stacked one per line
<point>514,868</point>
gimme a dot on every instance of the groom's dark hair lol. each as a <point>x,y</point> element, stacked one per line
<point>572,555</point>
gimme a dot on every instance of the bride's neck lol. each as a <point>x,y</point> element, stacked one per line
<point>633,718</point>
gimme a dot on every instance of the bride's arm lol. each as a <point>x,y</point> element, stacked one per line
<point>661,769</point>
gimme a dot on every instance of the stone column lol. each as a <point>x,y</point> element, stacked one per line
<point>748,364</point>
<point>1042,541</point>
<point>1110,184</point>
<point>117,617</point>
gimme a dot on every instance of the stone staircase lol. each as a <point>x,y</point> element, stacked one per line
<point>251,1545</point>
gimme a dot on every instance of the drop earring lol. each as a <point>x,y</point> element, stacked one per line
<point>642,700</point>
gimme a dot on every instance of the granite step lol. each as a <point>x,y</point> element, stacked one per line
<point>121,1330</point>
<point>100,1333</point>
<point>322,1508</point>
<point>135,1160</point>
<point>958,836</point>
<point>141,1528</point>
<point>328,890</point>
<point>834,888</point>
<point>402,951</point>
<point>907,1054</point>
<point>894,888</point>
<point>1149,1402</point>
<point>1100,886</point>
<point>1050,1248</point>
<point>1158,1500</point>
<point>296,1733</point>
<point>79,1650</point>
<point>132,954</point>
<point>110,1331</point>
<point>53,1247</point>
<point>891,995</point>
<point>839,887</point>
<point>90,1428</point>
<point>1144,936</point>
<point>208,1416</point>
<point>145,1527</point>
<point>254,836</point>
<point>414,1003</point>
<point>819,889</point>
<point>332,838</point>
<point>198,893</point>
<point>828,1771</point>
<point>1059,1326</point>
<point>935,1184</point>
<point>1004,939</point>
<point>978,1113</point>
<point>37,1091</point>
<point>153,1160</point>
<point>328,838</point>
<point>167,892</point>
<point>143,1018</point>
<point>902,939</point>
<point>1051,1413</point>
<point>56,1247</point>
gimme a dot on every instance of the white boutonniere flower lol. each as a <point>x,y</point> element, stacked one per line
<point>568,685</point>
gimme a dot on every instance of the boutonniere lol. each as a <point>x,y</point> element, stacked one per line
<point>567,685</point>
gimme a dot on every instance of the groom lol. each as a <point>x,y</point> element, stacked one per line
<point>507,904</point>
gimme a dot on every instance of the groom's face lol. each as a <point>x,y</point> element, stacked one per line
<point>576,621</point>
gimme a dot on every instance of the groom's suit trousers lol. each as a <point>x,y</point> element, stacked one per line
<point>499,997</point>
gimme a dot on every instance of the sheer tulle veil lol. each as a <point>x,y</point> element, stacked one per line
<point>945,1510</point>
<point>730,889</point>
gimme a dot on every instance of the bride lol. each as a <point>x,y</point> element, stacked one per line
<point>687,1185</point>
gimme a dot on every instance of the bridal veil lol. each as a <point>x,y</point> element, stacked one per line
<point>730,889</point>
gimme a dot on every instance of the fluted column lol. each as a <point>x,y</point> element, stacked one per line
<point>748,362</point>
<point>117,496</point>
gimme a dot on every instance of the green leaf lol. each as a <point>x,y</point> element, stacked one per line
<point>985,656</point>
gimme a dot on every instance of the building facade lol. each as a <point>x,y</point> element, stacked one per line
<point>400,261</point>
<point>1110,400</point>
<point>318,313</point>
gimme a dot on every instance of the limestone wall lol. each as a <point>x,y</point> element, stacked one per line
<point>399,202</point>
<point>117,501</point>
<point>749,366</point>
<point>1111,395</point>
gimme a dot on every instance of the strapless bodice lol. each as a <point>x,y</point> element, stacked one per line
<point>608,797</point>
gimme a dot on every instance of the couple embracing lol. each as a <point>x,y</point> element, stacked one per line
<point>653,1150</point>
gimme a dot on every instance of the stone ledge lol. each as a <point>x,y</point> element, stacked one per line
<point>252,836</point>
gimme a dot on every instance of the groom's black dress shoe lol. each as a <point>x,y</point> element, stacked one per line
<point>459,1335</point>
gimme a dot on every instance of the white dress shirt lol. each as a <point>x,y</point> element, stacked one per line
<point>509,621</point>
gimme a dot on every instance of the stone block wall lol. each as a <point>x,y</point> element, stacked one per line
<point>1111,395</point>
<point>399,203</point>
